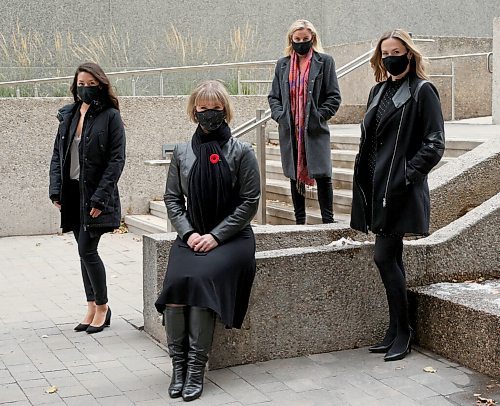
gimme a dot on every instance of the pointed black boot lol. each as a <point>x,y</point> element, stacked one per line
<point>201,330</point>
<point>401,347</point>
<point>177,343</point>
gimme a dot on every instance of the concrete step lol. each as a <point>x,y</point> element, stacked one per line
<point>279,190</point>
<point>145,224</point>
<point>460,321</point>
<point>454,146</point>
<point>342,177</point>
<point>157,208</point>
<point>282,213</point>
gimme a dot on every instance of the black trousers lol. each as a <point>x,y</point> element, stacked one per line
<point>325,199</point>
<point>93,271</point>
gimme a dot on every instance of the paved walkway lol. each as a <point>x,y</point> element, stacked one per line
<point>42,299</point>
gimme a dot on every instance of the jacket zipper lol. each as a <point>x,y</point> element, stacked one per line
<point>384,200</point>
<point>360,150</point>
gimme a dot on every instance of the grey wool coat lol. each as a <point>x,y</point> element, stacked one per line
<point>323,101</point>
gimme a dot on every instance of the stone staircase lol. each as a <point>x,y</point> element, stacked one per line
<point>344,147</point>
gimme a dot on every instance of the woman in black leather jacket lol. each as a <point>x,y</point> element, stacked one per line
<point>87,161</point>
<point>211,265</point>
<point>402,139</point>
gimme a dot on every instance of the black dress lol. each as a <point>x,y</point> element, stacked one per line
<point>221,279</point>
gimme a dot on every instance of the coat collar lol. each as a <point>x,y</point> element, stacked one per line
<point>316,65</point>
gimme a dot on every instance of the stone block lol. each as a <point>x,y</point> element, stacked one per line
<point>460,321</point>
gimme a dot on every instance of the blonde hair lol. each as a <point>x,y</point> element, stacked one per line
<point>210,91</point>
<point>300,25</point>
<point>417,63</point>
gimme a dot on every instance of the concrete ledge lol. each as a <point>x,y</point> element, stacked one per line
<point>461,321</point>
<point>464,183</point>
<point>311,299</point>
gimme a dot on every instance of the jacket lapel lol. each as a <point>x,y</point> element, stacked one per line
<point>398,100</point>
<point>316,66</point>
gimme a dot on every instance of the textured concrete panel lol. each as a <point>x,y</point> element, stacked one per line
<point>464,183</point>
<point>460,321</point>
<point>145,25</point>
<point>322,298</point>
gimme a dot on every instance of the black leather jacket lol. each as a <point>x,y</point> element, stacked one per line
<point>245,181</point>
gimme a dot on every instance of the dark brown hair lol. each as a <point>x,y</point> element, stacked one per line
<point>96,71</point>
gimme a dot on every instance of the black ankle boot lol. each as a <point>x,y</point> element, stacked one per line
<point>386,344</point>
<point>177,342</point>
<point>201,330</point>
<point>401,347</point>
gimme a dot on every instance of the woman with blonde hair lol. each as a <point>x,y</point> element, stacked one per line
<point>304,96</point>
<point>402,139</point>
<point>211,265</point>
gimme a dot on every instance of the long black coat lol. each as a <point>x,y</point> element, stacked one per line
<point>102,157</point>
<point>410,142</point>
<point>323,101</point>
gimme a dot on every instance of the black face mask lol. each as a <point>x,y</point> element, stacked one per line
<point>210,120</point>
<point>397,64</point>
<point>302,48</point>
<point>88,93</point>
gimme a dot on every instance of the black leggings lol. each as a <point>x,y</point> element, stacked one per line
<point>389,260</point>
<point>93,272</point>
<point>325,199</point>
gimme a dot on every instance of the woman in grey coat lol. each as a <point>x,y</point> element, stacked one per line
<point>304,96</point>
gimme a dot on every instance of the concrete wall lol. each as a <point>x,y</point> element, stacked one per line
<point>341,301</point>
<point>496,72</point>
<point>141,26</point>
<point>27,131</point>
<point>473,81</point>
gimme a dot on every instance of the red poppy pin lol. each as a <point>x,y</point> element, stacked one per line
<point>214,158</point>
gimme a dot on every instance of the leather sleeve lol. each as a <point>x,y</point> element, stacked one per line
<point>175,200</point>
<point>433,142</point>
<point>249,194</point>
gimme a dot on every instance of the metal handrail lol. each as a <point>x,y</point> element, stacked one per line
<point>148,71</point>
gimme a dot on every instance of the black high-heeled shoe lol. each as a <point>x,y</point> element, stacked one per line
<point>97,329</point>
<point>81,327</point>
<point>398,355</point>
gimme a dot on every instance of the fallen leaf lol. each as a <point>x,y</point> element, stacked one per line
<point>51,389</point>
<point>430,370</point>
<point>45,336</point>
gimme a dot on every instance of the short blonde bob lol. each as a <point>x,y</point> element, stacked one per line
<point>417,65</point>
<point>210,91</point>
<point>300,25</point>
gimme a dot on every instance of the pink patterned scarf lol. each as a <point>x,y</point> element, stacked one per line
<point>298,99</point>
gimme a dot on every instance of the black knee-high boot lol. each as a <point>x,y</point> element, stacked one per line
<point>177,342</point>
<point>325,199</point>
<point>299,203</point>
<point>201,331</point>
